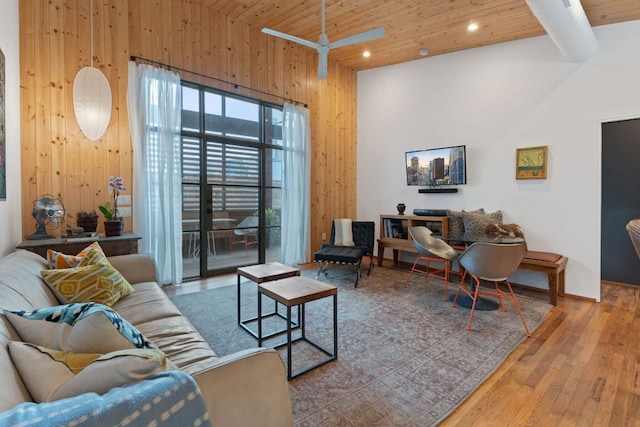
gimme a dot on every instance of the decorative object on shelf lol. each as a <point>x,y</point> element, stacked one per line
<point>92,97</point>
<point>48,211</point>
<point>401,207</point>
<point>531,163</point>
<point>87,220</point>
<point>113,224</point>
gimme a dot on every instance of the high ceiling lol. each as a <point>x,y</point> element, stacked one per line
<point>437,25</point>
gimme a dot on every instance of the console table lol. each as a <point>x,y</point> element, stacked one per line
<point>125,244</point>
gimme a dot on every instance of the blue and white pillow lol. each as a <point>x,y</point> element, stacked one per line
<point>78,327</point>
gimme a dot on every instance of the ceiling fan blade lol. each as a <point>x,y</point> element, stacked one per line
<point>376,33</point>
<point>295,39</point>
<point>323,52</point>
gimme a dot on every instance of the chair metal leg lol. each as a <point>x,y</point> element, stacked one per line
<point>475,300</point>
<point>462,286</point>
<point>427,272</point>
<point>515,302</point>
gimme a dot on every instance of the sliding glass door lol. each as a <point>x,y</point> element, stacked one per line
<point>231,177</point>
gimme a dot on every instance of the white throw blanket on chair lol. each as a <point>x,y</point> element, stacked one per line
<point>343,233</point>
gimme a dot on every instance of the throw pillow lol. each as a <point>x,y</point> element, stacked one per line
<point>456,223</point>
<point>60,260</point>
<point>94,279</point>
<point>478,223</point>
<point>79,328</point>
<point>511,230</point>
<point>53,374</point>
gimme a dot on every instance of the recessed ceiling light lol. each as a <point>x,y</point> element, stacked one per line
<point>472,27</point>
<point>366,54</point>
<point>423,52</point>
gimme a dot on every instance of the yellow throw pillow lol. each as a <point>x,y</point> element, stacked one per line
<point>60,260</point>
<point>94,279</point>
<point>52,374</point>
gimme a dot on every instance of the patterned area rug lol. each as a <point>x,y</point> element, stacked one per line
<point>405,357</point>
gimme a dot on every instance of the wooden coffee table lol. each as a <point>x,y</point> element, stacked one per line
<point>297,291</point>
<point>264,273</point>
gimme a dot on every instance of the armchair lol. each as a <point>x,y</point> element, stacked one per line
<point>363,233</point>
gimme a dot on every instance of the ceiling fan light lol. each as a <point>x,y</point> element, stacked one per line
<point>92,102</point>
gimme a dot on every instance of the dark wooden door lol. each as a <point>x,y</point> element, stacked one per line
<point>620,200</point>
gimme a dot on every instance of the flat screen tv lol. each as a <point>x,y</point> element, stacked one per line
<point>437,166</point>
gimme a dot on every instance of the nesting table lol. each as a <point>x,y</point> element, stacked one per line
<point>292,292</point>
<point>264,273</point>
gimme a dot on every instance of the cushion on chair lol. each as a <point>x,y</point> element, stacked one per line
<point>339,255</point>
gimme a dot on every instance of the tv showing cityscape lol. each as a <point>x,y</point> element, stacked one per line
<point>437,166</point>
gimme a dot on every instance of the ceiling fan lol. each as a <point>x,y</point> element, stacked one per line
<point>323,46</point>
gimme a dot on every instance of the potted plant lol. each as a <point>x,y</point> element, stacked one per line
<point>113,223</point>
<point>87,220</point>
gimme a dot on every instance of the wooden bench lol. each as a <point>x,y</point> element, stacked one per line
<point>551,264</point>
<point>546,262</point>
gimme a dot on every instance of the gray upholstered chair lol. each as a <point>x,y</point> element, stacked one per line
<point>633,227</point>
<point>492,262</point>
<point>431,249</point>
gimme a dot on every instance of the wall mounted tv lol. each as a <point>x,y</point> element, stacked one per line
<point>436,166</point>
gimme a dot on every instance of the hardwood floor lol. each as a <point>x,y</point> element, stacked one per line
<point>581,367</point>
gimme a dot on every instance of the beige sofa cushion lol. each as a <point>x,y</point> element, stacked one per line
<point>53,374</point>
<point>157,318</point>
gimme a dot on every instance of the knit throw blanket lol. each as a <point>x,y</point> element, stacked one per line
<point>343,233</point>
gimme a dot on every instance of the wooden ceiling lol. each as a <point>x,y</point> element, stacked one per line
<point>437,25</point>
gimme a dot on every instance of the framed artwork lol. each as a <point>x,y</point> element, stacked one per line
<point>3,140</point>
<point>531,163</point>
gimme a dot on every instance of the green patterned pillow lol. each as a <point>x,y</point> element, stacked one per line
<point>95,280</point>
<point>79,328</point>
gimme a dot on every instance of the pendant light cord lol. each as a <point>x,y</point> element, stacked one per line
<point>91,26</point>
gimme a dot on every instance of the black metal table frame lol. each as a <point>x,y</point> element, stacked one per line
<point>303,337</point>
<point>243,322</point>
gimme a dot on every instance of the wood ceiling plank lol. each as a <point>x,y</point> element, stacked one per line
<point>437,25</point>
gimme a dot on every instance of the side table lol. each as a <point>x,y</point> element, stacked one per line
<point>264,273</point>
<point>297,291</point>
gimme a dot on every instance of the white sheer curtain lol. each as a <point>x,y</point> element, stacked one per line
<point>154,104</point>
<point>296,144</point>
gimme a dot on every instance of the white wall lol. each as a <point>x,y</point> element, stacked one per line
<point>495,99</point>
<point>10,211</point>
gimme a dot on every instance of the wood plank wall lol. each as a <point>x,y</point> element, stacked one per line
<point>55,43</point>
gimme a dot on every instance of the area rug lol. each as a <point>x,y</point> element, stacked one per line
<point>405,357</point>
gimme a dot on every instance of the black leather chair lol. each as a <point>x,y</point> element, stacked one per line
<point>363,238</point>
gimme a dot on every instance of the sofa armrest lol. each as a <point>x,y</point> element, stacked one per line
<point>136,268</point>
<point>247,388</point>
